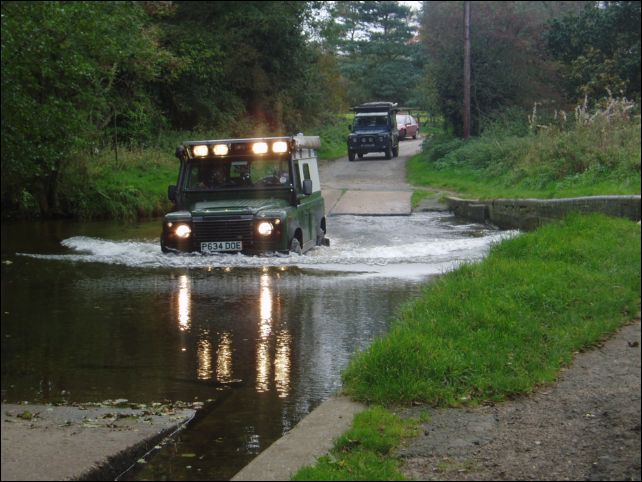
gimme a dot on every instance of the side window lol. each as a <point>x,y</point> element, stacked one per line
<point>304,173</point>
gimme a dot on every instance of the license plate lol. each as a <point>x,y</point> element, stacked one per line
<point>220,246</point>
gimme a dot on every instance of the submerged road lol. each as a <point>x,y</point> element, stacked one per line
<point>372,186</point>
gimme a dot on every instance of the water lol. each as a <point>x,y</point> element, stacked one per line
<point>96,311</point>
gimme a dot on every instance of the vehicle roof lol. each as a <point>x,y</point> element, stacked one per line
<point>374,106</point>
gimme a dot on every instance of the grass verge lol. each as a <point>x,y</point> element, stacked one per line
<point>363,453</point>
<point>490,330</point>
<point>598,154</point>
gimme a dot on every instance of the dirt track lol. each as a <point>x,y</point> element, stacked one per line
<point>584,427</point>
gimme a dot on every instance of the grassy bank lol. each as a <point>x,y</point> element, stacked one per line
<point>597,153</point>
<point>132,183</point>
<point>501,327</point>
<point>363,453</point>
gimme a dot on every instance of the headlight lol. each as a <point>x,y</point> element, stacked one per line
<point>182,231</point>
<point>265,228</point>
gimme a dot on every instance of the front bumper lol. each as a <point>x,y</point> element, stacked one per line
<point>221,229</point>
<point>363,144</point>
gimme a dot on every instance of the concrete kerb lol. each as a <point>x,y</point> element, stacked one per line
<point>529,214</point>
<point>312,438</point>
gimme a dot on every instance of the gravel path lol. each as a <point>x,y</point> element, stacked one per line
<point>586,426</point>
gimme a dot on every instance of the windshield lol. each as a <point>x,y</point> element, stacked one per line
<point>215,174</point>
<point>371,122</point>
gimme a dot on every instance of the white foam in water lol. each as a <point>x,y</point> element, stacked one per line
<point>360,245</point>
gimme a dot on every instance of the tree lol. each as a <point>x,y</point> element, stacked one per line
<point>599,49</point>
<point>67,67</point>
<point>241,60</point>
<point>376,49</point>
<point>508,68</point>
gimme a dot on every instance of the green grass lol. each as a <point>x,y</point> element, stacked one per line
<point>134,186</point>
<point>501,327</point>
<point>366,452</point>
<point>594,159</point>
<point>334,137</point>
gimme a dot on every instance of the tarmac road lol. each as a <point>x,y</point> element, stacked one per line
<point>370,186</point>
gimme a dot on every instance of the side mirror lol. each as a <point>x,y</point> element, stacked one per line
<point>307,187</point>
<point>171,193</point>
<point>180,153</point>
<point>350,128</point>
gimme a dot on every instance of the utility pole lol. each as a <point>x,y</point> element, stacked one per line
<point>466,70</point>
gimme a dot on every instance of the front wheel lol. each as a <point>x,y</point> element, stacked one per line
<point>295,246</point>
<point>395,151</point>
<point>388,153</point>
<point>351,156</point>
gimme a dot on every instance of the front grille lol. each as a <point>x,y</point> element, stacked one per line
<point>217,229</point>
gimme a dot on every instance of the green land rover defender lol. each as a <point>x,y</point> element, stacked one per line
<point>253,196</point>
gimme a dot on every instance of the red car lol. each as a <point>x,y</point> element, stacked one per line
<point>407,126</point>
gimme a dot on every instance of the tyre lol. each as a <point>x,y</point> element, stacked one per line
<point>163,246</point>
<point>360,156</point>
<point>295,246</point>
<point>388,153</point>
<point>395,151</point>
<point>351,156</point>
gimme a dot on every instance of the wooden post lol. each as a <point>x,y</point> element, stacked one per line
<point>466,70</point>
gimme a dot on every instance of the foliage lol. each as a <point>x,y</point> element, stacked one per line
<point>599,49</point>
<point>376,49</point>
<point>241,59</point>
<point>587,152</point>
<point>67,69</point>
<point>80,76</point>
<point>507,66</point>
<point>489,331</point>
